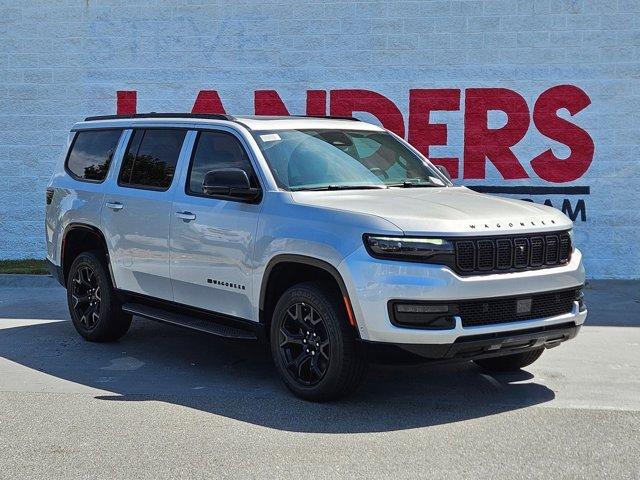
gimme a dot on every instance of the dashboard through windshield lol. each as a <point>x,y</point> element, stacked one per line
<point>343,159</point>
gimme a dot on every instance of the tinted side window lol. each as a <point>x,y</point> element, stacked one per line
<point>91,154</point>
<point>217,150</point>
<point>151,158</point>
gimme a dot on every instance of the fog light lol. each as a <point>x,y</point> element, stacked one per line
<point>422,315</point>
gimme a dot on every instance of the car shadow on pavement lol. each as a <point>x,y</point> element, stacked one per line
<point>156,362</point>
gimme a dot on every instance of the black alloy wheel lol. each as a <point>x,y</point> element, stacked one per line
<point>95,308</point>
<point>313,345</point>
<point>304,343</point>
<point>85,295</point>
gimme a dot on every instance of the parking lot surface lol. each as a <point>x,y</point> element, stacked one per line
<point>169,403</point>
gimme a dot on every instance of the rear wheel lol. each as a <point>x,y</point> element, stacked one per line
<point>510,363</point>
<point>94,307</point>
<point>313,346</point>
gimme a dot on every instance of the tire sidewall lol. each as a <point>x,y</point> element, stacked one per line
<point>106,297</point>
<point>320,301</point>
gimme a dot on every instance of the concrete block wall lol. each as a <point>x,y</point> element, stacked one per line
<point>61,60</point>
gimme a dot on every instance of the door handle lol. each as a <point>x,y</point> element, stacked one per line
<point>186,216</point>
<point>114,206</point>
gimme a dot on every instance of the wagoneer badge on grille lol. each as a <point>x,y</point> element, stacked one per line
<point>512,224</point>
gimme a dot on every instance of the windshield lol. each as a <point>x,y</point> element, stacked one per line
<point>341,159</point>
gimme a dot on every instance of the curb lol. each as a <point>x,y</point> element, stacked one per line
<point>17,281</point>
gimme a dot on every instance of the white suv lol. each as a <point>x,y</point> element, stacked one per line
<point>332,239</point>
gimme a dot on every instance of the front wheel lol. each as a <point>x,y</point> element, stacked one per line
<point>509,363</point>
<point>312,344</point>
<point>94,307</point>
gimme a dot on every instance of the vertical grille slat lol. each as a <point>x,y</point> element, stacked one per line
<point>537,251</point>
<point>521,253</point>
<point>486,255</point>
<point>505,253</point>
<point>465,253</point>
<point>551,254</point>
<point>565,248</point>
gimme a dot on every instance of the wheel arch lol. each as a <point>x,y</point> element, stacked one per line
<point>91,237</point>
<point>277,278</point>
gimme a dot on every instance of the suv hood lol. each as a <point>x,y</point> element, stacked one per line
<point>451,211</point>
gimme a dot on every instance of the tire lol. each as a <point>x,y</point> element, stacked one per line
<point>310,317</point>
<point>94,306</point>
<point>509,363</point>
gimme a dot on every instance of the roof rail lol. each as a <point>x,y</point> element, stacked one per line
<point>211,116</point>
<point>331,117</point>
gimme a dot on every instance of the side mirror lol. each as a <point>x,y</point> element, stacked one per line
<point>230,182</point>
<point>444,171</point>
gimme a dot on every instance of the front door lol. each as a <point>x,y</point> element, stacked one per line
<point>212,239</point>
<point>137,212</point>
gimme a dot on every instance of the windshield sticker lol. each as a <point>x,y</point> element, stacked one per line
<point>270,137</point>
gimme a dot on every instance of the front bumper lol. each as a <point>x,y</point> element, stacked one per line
<point>471,347</point>
<point>372,283</point>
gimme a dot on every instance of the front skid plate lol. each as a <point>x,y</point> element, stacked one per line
<point>471,347</point>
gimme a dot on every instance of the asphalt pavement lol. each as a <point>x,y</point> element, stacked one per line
<point>166,403</point>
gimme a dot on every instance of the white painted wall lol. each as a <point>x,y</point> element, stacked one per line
<point>63,59</point>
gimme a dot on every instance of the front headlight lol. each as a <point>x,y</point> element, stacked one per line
<point>428,250</point>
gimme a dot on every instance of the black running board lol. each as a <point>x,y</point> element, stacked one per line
<point>188,321</point>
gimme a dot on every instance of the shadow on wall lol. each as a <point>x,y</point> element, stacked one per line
<point>237,380</point>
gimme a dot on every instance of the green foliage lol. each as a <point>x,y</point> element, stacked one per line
<point>31,266</point>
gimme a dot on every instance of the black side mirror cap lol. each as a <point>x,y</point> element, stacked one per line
<point>232,183</point>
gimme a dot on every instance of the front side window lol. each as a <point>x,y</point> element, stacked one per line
<point>334,159</point>
<point>151,158</point>
<point>216,150</point>
<point>91,154</point>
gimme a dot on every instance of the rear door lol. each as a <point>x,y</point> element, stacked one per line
<point>137,212</point>
<point>212,239</point>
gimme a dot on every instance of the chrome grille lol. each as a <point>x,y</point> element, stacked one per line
<point>508,253</point>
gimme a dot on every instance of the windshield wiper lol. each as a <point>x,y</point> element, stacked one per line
<point>413,185</point>
<point>340,187</point>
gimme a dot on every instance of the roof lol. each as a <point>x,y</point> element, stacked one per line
<point>257,123</point>
<point>303,122</point>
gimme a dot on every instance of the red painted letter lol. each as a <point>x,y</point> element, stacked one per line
<point>345,102</point>
<point>481,142</point>
<point>423,134</point>
<point>208,101</point>
<point>126,102</point>
<point>547,165</point>
<point>268,102</point>
<point>316,102</point>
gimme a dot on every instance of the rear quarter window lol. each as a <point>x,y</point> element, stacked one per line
<point>91,154</point>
